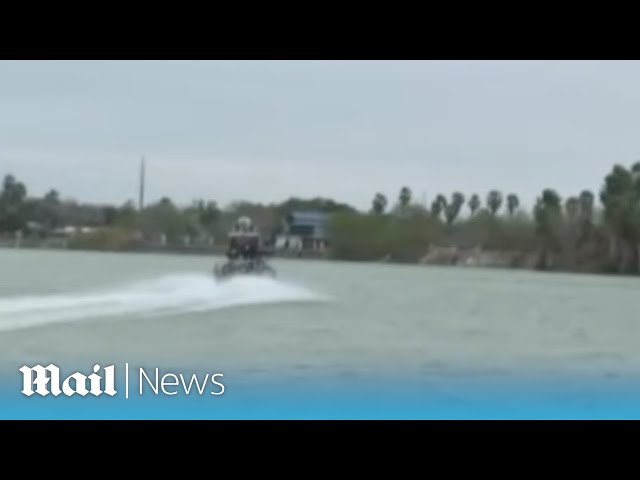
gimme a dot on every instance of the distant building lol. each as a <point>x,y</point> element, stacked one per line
<point>36,228</point>
<point>304,230</point>
<point>71,231</point>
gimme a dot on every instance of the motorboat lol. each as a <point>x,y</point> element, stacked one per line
<point>235,267</point>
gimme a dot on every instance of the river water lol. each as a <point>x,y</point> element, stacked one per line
<point>316,318</point>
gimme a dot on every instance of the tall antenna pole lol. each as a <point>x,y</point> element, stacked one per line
<point>142,182</point>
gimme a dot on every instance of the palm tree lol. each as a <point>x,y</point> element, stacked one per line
<point>494,201</point>
<point>453,209</point>
<point>513,202</point>
<point>547,214</point>
<point>438,205</point>
<point>474,203</point>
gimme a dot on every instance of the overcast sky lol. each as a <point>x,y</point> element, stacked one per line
<point>268,130</point>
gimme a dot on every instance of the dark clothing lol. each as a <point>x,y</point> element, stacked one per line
<point>232,249</point>
<point>246,247</point>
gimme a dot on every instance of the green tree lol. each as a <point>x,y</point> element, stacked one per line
<point>110,215</point>
<point>164,218</point>
<point>405,197</point>
<point>208,213</point>
<point>587,200</point>
<point>127,216</point>
<point>367,237</point>
<point>13,191</point>
<point>586,205</point>
<point>379,204</point>
<point>620,196</point>
<point>572,209</point>
<point>52,206</point>
<point>12,204</point>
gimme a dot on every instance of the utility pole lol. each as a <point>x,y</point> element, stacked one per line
<point>142,182</point>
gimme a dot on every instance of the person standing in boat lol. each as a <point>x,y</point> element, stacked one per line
<point>244,241</point>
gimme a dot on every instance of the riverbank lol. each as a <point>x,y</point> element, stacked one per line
<point>446,256</point>
<point>198,250</point>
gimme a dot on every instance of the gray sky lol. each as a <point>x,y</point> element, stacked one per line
<point>267,130</point>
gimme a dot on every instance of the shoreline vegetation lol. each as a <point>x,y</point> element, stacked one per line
<point>584,233</point>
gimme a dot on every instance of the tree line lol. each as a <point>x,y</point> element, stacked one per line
<point>127,224</point>
<point>588,231</point>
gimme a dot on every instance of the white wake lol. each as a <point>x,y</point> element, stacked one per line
<point>168,295</point>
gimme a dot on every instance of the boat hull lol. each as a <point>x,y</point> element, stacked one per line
<point>237,268</point>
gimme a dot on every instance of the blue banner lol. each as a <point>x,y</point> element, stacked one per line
<point>128,392</point>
